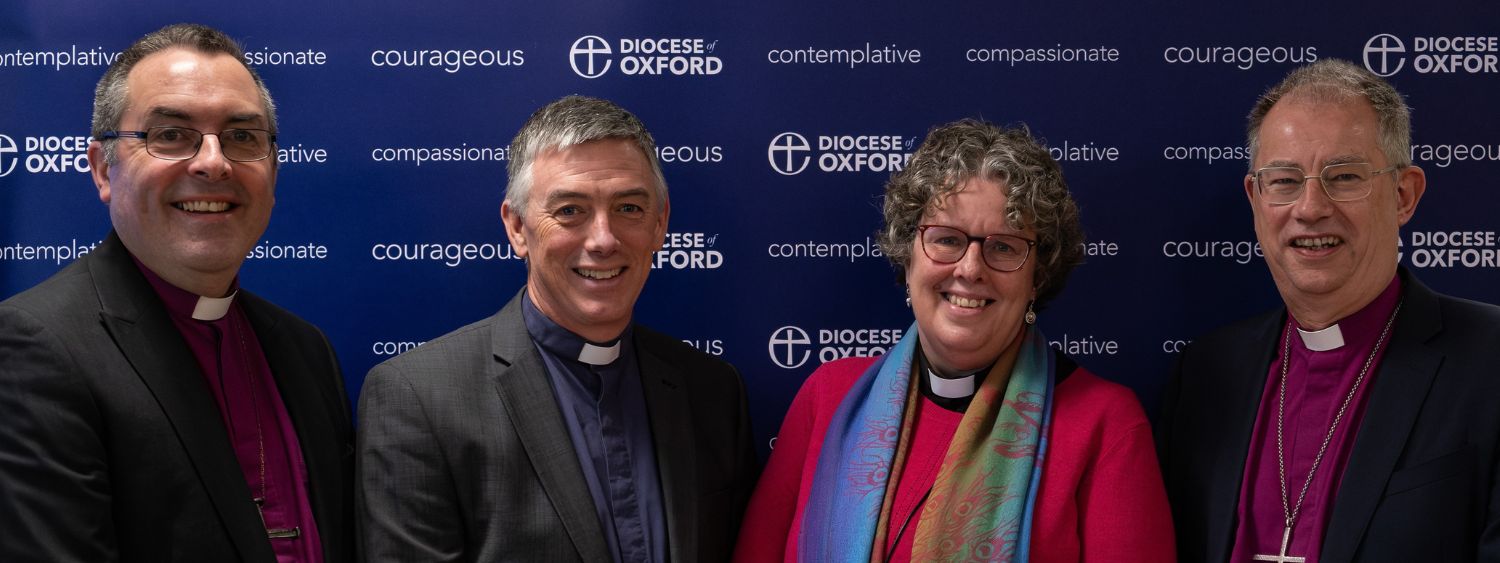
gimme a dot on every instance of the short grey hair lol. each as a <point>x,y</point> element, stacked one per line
<point>1335,81</point>
<point>1036,194</point>
<point>570,121</point>
<point>110,95</point>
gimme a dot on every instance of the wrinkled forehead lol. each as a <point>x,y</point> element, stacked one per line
<point>606,167</point>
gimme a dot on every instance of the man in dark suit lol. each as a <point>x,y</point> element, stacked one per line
<point>1360,422</point>
<point>153,411</point>
<point>559,430</point>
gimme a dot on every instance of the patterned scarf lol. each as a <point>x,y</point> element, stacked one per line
<point>981,504</point>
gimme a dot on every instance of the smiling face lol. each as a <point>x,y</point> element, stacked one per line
<point>189,221</point>
<point>590,227</point>
<point>1330,259</point>
<point>968,314</point>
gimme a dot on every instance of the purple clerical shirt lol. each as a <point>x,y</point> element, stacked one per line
<point>1317,383</point>
<point>264,440</point>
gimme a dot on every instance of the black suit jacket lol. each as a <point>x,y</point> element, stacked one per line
<point>1421,480</point>
<point>113,447</point>
<point>465,456</point>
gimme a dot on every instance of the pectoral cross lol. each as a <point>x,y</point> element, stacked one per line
<point>1286,539</point>
<point>274,533</point>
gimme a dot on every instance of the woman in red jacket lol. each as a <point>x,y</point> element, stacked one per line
<point>971,439</point>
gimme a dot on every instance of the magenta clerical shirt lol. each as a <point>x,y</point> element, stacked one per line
<point>265,443</point>
<point>1318,380</point>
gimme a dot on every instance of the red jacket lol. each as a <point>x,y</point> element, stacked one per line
<point>1100,499</point>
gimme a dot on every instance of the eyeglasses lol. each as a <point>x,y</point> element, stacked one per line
<point>182,143</point>
<point>946,245</point>
<point>1281,185</point>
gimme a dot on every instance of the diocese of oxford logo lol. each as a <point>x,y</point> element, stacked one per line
<point>1384,48</point>
<point>783,153</point>
<point>784,345</point>
<point>584,51</point>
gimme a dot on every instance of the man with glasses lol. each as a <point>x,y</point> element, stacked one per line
<point>153,410</point>
<point>1360,423</point>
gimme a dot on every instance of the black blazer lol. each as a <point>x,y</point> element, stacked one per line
<point>113,447</point>
<point>464,454</point>
<point>1421,480</point>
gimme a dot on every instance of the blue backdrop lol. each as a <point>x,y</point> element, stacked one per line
<point>779,122</point>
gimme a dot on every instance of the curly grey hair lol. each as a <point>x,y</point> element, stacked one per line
<point>1335,80</point>
<point>1036,194</point>
<point>110,94</point>
<point>574,120</point>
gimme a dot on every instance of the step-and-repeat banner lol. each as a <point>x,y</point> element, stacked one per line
<point>778,124</point>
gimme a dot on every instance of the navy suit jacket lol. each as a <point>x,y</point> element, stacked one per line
<point>1421,480</point>
<point>113,448</point>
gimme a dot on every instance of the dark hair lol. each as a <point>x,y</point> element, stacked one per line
<point>110,94</point>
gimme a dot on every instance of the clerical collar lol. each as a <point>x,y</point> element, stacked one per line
<point>958,388</point>
<point>562,343</point>
<point>185,303</point>
<point>213,308</point>
<point>949,394</point>
<point>1331,338</point>
<point>1362,326</point>
<point>595,355</point>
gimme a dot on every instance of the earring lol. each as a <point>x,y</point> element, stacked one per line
<point>1030,314</point>
<point>908,297</point>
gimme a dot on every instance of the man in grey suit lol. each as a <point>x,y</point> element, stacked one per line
<point>150,409</point>
<point>559,430</point>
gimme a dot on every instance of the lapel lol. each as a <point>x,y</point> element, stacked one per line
<point>670,410</point>
<point>1406,372</point>
<point>520,378</point>
<point>136,319</point>
<point>310,407</point>
<point>1243,385</point>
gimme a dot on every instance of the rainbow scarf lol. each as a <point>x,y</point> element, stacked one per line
<point>981,504</point>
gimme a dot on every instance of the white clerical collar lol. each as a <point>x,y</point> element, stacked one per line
<point>1330,338</point>
<point>951,388</point>
<point>599,355</point>
<point>213,308</point>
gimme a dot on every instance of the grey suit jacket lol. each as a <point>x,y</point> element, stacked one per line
<point>113,448</point>
<point>464,454</point>
<point>1423,480</point>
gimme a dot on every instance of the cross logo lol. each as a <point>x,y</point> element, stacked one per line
<point>791,144</point>
<point>585,48</point>
<point>7,147</point>
<point>1383,46</point>
<point>785,343</point>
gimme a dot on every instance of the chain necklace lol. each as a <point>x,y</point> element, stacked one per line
<point>1289,511</point>
<point>260,437</point>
